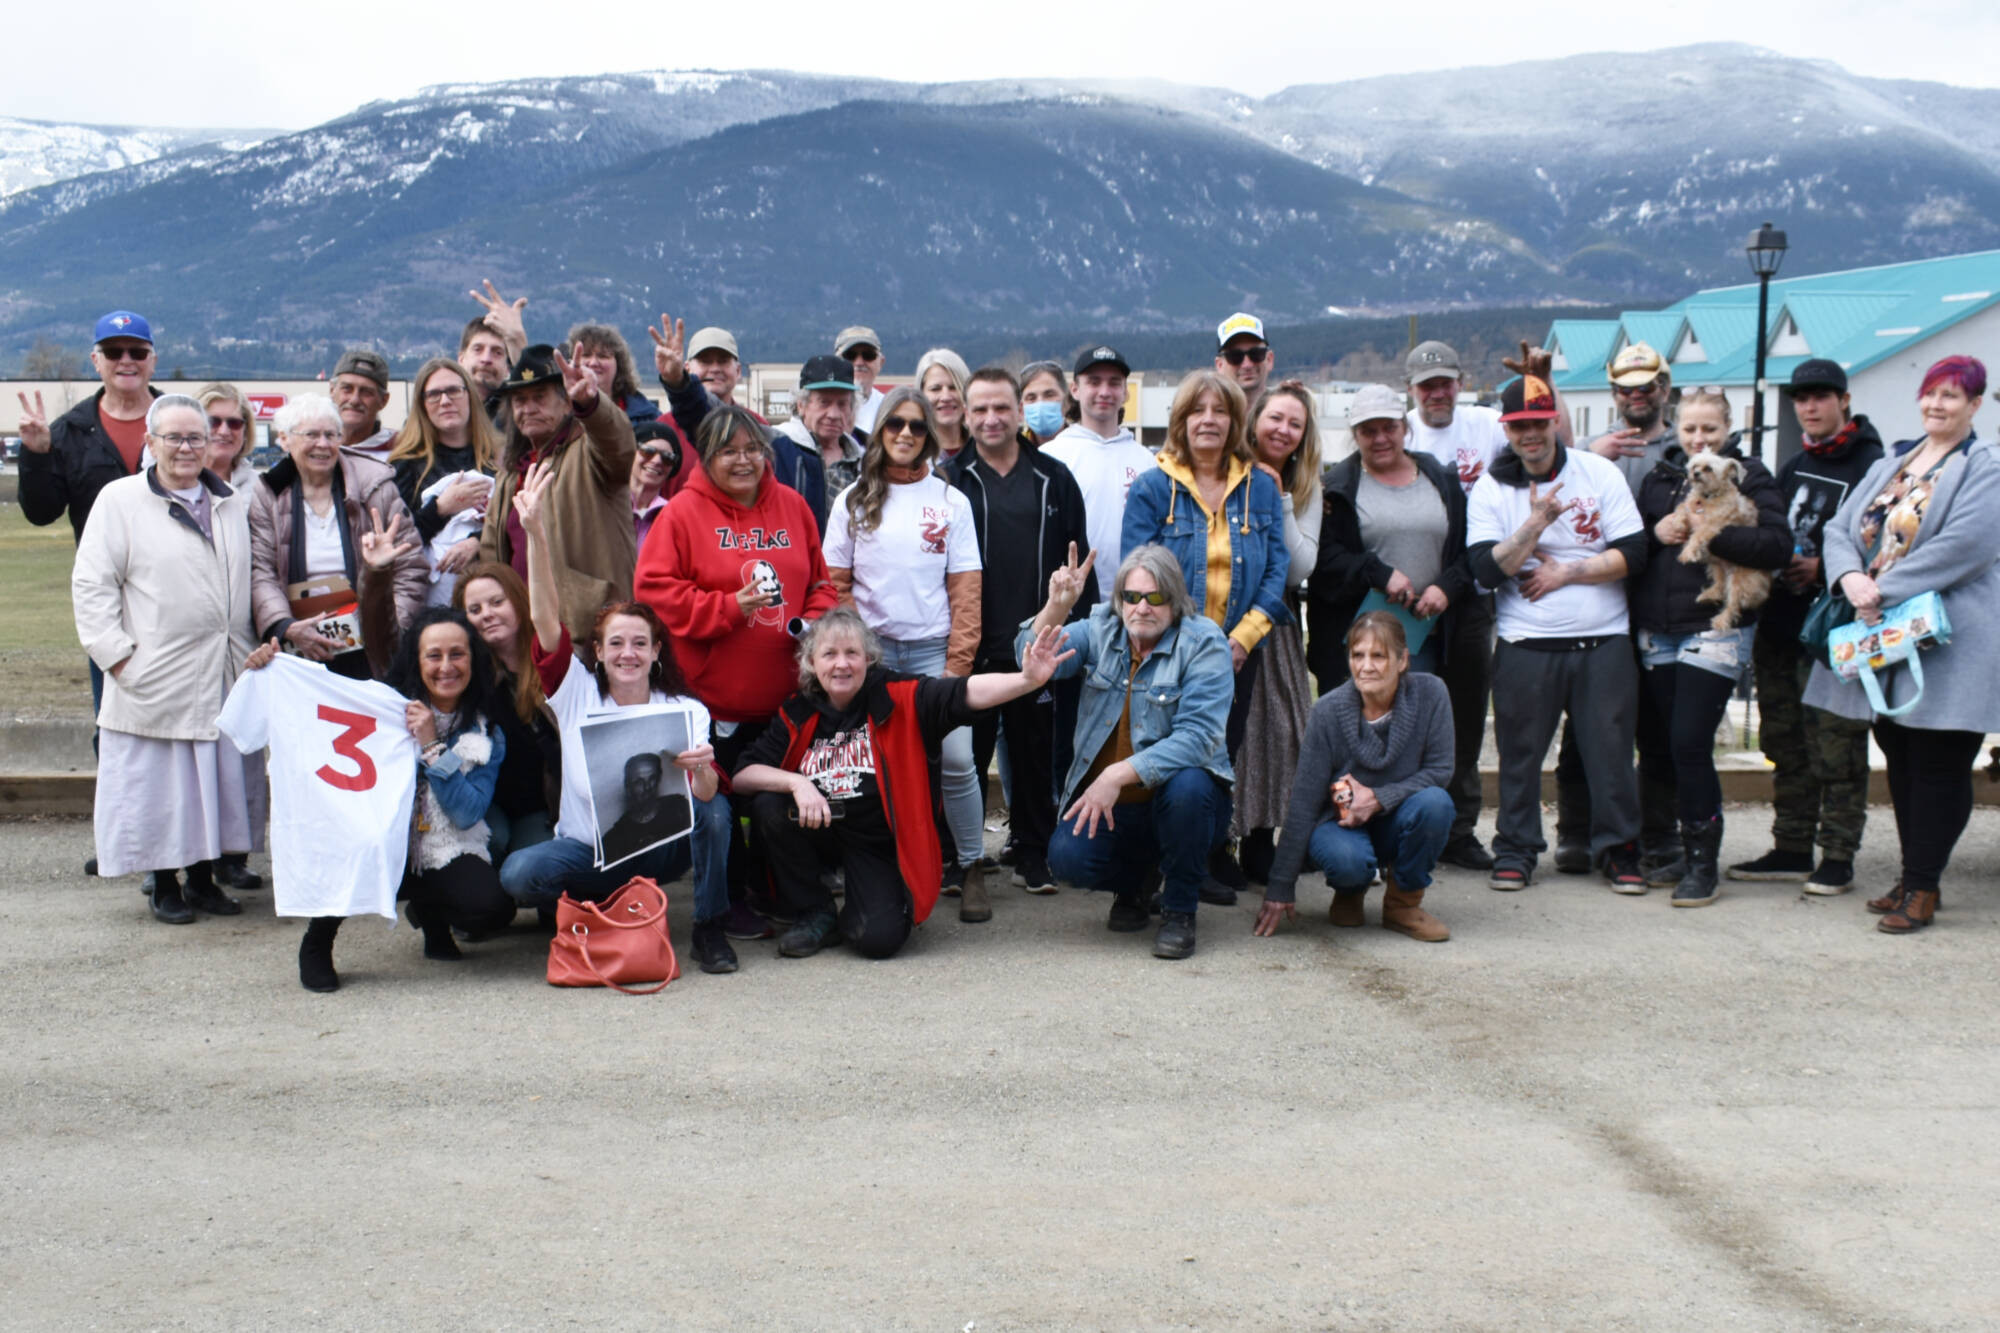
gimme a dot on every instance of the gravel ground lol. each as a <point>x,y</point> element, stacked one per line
<point>1584,1112</point>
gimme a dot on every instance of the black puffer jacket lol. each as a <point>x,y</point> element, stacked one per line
<point>1663,597</point>
<point>82,460</point>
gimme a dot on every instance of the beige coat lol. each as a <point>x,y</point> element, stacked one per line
<point>150,591</point>
<point>367,485</point>
<point>589,516</point>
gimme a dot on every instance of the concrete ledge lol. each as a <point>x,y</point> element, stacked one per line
<point>70,794</point>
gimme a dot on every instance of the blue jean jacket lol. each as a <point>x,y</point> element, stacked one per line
<point>1180,698</point>
<point>1159,508</point>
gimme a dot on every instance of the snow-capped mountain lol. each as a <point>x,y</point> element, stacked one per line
<point>784,205</point>
<point>34,153</point>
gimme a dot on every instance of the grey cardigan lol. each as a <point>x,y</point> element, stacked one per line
<point>1957,555</point>
<point>1419,754</point>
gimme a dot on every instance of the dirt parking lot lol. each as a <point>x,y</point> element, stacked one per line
<point>1584,1112</point>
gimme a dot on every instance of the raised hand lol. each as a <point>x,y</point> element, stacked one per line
<point>579,380</point>
<point>1545,507</point>
<point>529,497</point>
<point>669,350</point>
<point>504,317</point>
<point>1534,361</point>
<point>382,546</point>
<point>1067,583</point>
<point>34,424</point>
<point>1045,654</point>
<point>752,598</point>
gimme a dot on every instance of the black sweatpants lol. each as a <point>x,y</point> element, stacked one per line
<point>1658,802</point>
<point>1689,703</point>
<point>1532,690</point>
<point>1030,721</point>
<point>465,892</point>
<point>1930,784</point>
<point>1468,678</point>
<point>876,911</point>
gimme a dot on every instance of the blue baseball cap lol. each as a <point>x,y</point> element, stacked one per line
<point>123,324</point>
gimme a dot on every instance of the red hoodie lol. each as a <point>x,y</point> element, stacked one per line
<point>701,551</point>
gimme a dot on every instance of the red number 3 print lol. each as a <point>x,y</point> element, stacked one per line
<point>348,746</point>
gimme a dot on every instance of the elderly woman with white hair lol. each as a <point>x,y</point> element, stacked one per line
<point>942,378</point>
<point>309,518</point>
<point>161,589</point>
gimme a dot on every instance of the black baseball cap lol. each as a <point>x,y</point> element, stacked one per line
<point>826,372</point>
<point>1818,373</point>
<point>1100,355</point>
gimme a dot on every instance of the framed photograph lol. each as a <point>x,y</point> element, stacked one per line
<point>639,800</point>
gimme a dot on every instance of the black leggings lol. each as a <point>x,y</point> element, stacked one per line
<point>466,893</point>
<point>1930,784</point>
<point>1690,703</point>
<point>875,910</point>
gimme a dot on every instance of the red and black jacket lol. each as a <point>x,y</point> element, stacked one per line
<point>908,718</point>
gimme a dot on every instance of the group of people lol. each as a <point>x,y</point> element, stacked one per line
<point>1200,668</point>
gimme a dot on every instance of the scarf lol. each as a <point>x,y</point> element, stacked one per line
<point>1833,443</point>
<point>899,475</point>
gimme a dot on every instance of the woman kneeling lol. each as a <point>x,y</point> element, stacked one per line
<point>1370,791</point>
<point>848,780</point>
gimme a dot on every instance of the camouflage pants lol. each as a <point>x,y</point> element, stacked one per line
<point>1820,782</point>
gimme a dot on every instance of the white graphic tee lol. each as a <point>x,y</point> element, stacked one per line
<point>1601,512</point>
<point>926,533</point>
<point>343,771</point>
<point>1468,445</point>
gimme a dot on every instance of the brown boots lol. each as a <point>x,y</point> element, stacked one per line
<point>1347,909</point>
<point>973,902</point>
<point>1911,910</point>
<point>1403,911</point>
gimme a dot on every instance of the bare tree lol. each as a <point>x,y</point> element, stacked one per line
<point>51,361</point>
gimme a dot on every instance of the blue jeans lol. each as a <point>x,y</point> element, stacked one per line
<point>536,876</point>
<point>1408,840</point>
<point>507,835</point>
<point>1189,814</point>
<point>964,801</point>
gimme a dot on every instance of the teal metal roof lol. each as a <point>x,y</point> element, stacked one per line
<point>1585,344</point>
<point>1658,329</point>
<point>1855,316</point>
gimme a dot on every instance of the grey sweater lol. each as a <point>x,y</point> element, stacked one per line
<point>1417,753</point>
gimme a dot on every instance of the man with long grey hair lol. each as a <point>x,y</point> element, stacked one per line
<point>1150,784</point>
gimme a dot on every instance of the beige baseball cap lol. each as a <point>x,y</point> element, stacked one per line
<point>1636,363</point>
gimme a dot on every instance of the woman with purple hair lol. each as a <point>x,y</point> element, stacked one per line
<point>1923,520</point>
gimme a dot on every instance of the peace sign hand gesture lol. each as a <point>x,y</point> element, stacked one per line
<point>382,547</point>
<point>669,350</point>
<point>579,380</point>
<point>504,317</point>
<point>1066,584</point>
<point>34,424</point>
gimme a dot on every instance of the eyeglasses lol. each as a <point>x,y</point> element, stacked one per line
<point>125,353</point>
<point>724,455</point>
<point>226,423</point>
<point>1132,598</point>
<point>906,426</point>
<point>862,353</point>
<point>1635,390</point>
<point>183,441</point>
<point>315,436</point>
<point>444,395</point>
<point>1236,356</point>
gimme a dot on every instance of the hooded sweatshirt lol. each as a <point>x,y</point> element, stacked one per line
<point>699,554</point>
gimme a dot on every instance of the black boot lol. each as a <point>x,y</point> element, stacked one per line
<point>233,872</point>
<point>1703,840</point>
<point>165,894</point>
<point>712,951</point>
<point>439,946</point>
<point>1255,853</point>
<point>316,955</point>
<point>203,896</point>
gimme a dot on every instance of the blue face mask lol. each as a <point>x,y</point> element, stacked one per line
<point>1044,418</point>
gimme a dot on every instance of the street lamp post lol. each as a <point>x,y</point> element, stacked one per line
<point>1767,251</point>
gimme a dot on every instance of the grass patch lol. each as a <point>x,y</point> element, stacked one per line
<point>42,670</point>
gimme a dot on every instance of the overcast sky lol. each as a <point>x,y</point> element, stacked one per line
<point>259,63</point>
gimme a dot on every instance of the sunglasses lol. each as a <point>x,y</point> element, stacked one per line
<point>226,423</point>
<point>905,426</point>
<point>1154,598</point>
<point>125,353</point>
<point>862,353</point>
<point>658,451</point>
<point>1635,390</point>
<point>1236,356</point>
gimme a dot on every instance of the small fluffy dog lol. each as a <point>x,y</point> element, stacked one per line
<point>1713,503</point>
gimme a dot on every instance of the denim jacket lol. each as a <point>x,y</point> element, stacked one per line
<point>1161,507</point>
<point>1180,698</point>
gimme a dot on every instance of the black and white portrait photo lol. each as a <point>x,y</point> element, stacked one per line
<point>640,799</point>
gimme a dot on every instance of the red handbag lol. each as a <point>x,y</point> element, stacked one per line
<point>621,942</point>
